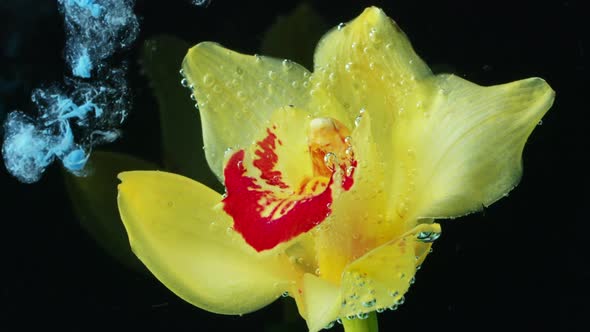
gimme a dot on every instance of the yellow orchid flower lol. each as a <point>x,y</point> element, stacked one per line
<point>333,178</point>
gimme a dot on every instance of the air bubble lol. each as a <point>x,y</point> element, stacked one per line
<point>272,75</point>
<point>349,152</point>
<point>370,303</point>
<point>287,64</point>
<point>348,67</point>
<point>285,294</point>
<point>341,26</point>
<point>362,315</point>
<point>357,120</point>
<point>184,82</point>
<point>428,236</point>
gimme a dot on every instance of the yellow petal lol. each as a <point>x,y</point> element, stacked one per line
<point>369,65</point>
<point>380,278</point>
<point>237,93</point>
<point>464,151</point>
<point>177,231</point>
<point>322,302</point>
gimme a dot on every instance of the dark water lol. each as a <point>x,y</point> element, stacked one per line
<point>521,265</point>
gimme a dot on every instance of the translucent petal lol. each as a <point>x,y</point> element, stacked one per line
<point>369,65</point>
<point>380,278</point>
<point>237,93</point>
<point>463,151</point>
<point>358,222</point>
<point>178,232</point>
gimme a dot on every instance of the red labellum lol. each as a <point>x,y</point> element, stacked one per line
<point>267,217</point>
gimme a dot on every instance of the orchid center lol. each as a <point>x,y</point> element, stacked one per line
<point>282,185</point>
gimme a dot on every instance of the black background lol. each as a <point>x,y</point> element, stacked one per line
<point>521,265</point>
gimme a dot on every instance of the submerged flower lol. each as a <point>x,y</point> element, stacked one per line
<point>333,178</point>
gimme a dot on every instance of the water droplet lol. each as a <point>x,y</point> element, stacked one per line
<point>428,236</point>
<point>272,75</point>
<point>330,160</point>
<point>184,82</point>
<point>370,303</point>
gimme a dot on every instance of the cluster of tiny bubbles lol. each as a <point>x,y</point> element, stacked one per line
<point>427,236</point>
<point>87,108</point>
